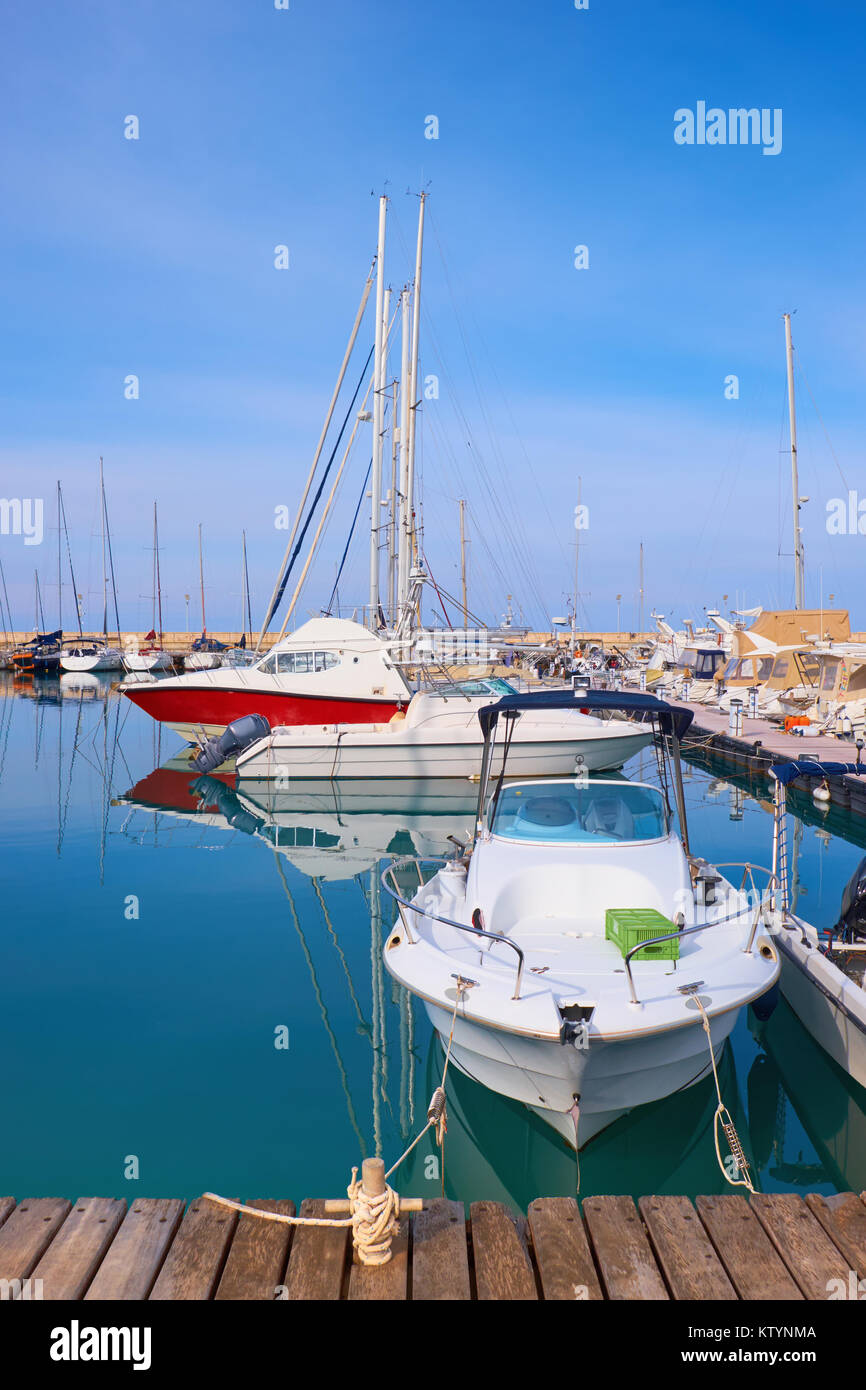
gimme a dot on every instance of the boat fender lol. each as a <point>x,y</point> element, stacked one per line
<point>240,734</point>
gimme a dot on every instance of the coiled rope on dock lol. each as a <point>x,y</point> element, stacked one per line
<point>373,1205</point>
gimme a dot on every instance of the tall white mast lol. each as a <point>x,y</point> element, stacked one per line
<point>413,370</point>
<point>405,548</point>
<point>378,413</point>
<point>799,576</point>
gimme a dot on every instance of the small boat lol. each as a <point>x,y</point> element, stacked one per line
<point>40,656</point>
<point>91,656</point>
<point>438,735</point>
<point>824,980</point>
<point>329,670</point>
<point>95,655</point>
<point>571,958</point>
<point>150,656</point>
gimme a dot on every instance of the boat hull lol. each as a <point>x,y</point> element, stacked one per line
<point>193,708</point>
<point>387,755</point>
<point>827,1003</point>
<point>147,661</point>
<point>100,661</point>
<point>610,1078</point>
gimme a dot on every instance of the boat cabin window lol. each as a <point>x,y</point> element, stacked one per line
<point>765,668</point>
<point>598,813</point>
<point>831,671</point>
<point>809,667</point>
<point>780,668</point>
<point>731,669</point>
<point>299,663</point>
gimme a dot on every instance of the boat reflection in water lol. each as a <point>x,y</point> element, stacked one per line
<point>328,831</point>
<point>798,1097</point>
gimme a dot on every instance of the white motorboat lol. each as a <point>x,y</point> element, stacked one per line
<point>439,736</point>
<point>822,980</point>
<point>578,947</point>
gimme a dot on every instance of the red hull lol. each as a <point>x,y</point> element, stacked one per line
<point>214,706</point>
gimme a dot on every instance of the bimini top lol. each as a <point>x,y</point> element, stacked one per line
<point>671,718</point>
<point>804,767</point>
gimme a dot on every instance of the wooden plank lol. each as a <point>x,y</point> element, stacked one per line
<point>503,1269</point>
<point>76,1252</point>
<point>684,1251</point>
<point>755,1269</point>
<point>317,1263</point>
<point>801,1241</point>
<point>195,1260</point>
<point>562,1252</point>
<point>7,1206</point>
<point>28,1232</point>
<point>136,1254</point>
<point>389,1281</point>
<point>622,1250</point>
<point>440,1257</point>
<point>843,1217</point>
<point>258,1256</point>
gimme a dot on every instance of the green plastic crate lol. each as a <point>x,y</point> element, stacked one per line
<point>629,926</point>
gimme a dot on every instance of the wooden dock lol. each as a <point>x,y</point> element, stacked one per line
<point>762,744</point>
<point>769,1247</point>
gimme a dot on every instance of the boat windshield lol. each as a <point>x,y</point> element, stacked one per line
<point>596,812</point>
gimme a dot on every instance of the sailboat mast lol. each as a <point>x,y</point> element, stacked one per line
<point>104,570</point>
<point>75,594</point>
<point>378,412</point>
<point>640,623</point>
<point>156,574</point>
<point>201,582</point>
<point>59,572</point>
<point>246,615</point>
<point>405,542</point>
<point>799,576</point>
<point>413,369</point>
<point>462,506</point>
<point>106,547</point>
<point>576,564</point>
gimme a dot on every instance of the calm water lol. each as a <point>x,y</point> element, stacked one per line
<point>158,931</point>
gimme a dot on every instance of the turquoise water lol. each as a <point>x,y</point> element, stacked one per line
<point>156,941</point>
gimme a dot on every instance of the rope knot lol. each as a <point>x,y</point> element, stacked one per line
<point>375,1222</point>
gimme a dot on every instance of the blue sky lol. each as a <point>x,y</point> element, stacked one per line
<point>260,127</point>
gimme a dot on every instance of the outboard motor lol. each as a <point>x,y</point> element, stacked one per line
<point>240,734</point>
<point>852,920</point>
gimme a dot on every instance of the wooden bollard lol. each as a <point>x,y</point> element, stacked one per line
<point>373,1184</point>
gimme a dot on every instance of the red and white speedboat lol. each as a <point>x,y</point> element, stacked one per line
<point>330,671</point>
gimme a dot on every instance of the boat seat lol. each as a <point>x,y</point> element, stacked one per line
<point>610,816</point>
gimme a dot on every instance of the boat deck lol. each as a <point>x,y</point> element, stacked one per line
<point>777,1246</point>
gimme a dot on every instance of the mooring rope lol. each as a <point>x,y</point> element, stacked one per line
<point>374,1219</point>
<point>723,1118</point>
